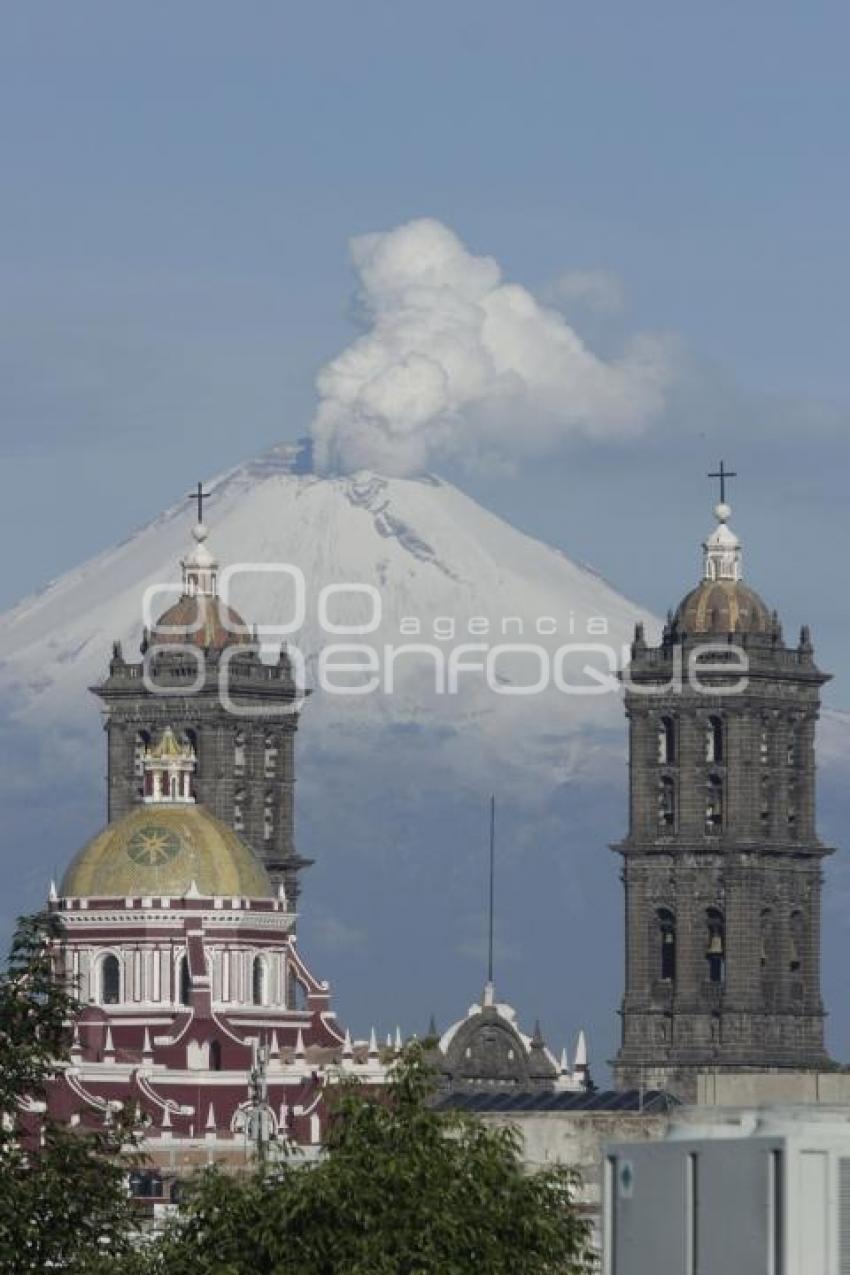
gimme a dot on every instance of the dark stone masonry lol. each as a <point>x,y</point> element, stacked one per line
<point>722,863</point>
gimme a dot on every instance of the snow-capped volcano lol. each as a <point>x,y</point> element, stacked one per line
<point>439,586</point>
<point>394,784</point>
<point>391,784</point>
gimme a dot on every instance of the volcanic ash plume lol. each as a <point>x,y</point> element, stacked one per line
<point>454,362</point>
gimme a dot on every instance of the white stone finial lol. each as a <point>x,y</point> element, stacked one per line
<point>347,1047</point>
<point>398,1043</point>
<point>565,1062</point>
<point>52,896</point>
<point>373,1044</point>
<point>299,1044</point>
<point>581,1052</point>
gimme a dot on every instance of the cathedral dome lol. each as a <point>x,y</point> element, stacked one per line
<point>200,621</point>
<point>723,606</point>
<point>199,617</point>
<point>721,603</point>
<point>166,849</point>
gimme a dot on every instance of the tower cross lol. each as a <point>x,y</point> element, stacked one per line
<point>723,473</point>
<point>200,495</point>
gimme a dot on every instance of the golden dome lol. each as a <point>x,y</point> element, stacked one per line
<point>721,607</point>
<point>161,850</point>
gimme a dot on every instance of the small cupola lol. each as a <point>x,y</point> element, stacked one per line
<point>200,567</point>
<point>169,766</point>
<point>722,549</point>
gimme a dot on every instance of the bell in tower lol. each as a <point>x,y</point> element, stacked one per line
<point>722,863</point>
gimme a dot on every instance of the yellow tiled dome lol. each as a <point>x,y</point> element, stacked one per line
<point>161,850</point>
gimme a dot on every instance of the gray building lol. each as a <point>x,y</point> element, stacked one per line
<point>732,1193</point>
<point>721,863</point>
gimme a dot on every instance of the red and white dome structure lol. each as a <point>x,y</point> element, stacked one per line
<point>197,1008</point>
<point>187,967</point>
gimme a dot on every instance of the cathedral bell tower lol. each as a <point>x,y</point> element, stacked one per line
<point>202,686</point>
<point>721,864</point>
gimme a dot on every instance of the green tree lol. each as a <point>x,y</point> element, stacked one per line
<point>403,1188</point>
<point>63,1199</point>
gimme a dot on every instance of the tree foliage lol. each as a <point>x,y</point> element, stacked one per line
<point>63,1200</point>
<point>403,1188</point>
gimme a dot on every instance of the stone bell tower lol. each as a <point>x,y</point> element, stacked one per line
<point>722,863</point>
<point>202,678</point>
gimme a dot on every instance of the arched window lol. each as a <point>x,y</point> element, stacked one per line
<point>666,944</point>
<point>184,981</point>
<point>239,752</point>
<point>765,806</point>
<point>141,743</point>
<point>215,1055</point>
<point>110,980</point>
<point>791,807</point>
<point>796,941</point>
<point>715,951</point>
<point>764,742</point>
<point>258,981</point>
<point>714,739</point>
<point>666,804</point>
<point>714,805</point>
<point>666,741</point>
<point>269,755</point>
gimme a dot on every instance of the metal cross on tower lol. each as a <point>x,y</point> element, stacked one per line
<point>200,495</point>
<point>723,473</point>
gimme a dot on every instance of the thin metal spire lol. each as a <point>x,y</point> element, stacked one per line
<point>492,888</point>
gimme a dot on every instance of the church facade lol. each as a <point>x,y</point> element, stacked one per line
<point>178,920</point>
<point>722,865</point>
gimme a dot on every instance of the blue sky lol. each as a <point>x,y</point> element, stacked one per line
<point>180,182</point>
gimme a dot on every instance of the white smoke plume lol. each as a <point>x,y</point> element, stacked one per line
<point>457,363</point>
